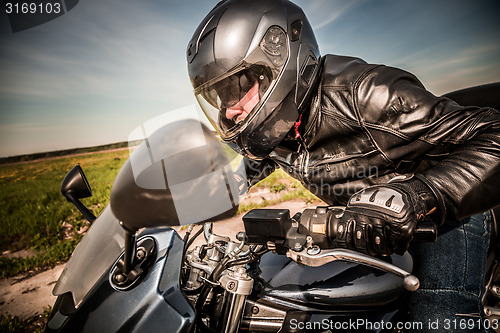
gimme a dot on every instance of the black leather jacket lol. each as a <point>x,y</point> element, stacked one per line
<point>369,123</point>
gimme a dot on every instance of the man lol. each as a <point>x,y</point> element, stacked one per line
<point>362,135</point>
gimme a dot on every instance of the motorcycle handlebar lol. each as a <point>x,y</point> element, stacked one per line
<point>324,220</point>
<point>317,225</point>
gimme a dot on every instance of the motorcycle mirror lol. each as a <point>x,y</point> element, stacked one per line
<point>74,187</point>
<point>75,184</point>
<point>178,175</point>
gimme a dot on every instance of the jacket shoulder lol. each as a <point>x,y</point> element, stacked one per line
<point>343,70</point>
<point>394,100</point>
<point>339,77</point>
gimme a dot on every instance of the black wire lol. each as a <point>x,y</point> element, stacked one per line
<point>192,239</point>
<point>187,244</point>
<point>186,236</point>
<point>206,290</point>
<point>222,266</point>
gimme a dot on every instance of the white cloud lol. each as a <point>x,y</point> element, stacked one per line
<point>131,53</point>
<point>442,72</point>
<point>325,12</point>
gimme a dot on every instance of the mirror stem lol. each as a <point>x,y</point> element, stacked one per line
<point>129,256</point>
<point>81,207</point>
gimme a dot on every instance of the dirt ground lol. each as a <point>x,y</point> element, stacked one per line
<point>26,296</point>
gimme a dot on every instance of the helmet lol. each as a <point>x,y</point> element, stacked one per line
<point>252,65</point>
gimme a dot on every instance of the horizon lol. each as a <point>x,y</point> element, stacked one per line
<point>89,77</point>
<point>61,150</point>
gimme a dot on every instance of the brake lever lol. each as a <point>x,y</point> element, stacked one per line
<point>320,257</point>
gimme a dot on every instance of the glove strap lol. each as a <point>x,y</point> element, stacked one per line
<point>434,202</point>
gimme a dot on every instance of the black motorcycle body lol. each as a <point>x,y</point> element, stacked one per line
<point>338,291</point>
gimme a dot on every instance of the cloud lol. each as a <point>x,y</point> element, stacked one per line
<point>130,53</point>
<point>325,12</point>
<point>443,71</point>
<point>109,65</point>
<point>103,67</point>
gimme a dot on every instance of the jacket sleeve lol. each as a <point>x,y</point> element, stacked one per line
<point>459,146</point>
<point>254,171</point>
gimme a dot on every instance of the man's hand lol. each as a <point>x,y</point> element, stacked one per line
<point>382,219</point>
<point>241,182</point>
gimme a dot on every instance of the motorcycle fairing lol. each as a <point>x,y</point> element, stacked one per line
<point>156,304</point>
<point>92,257</point>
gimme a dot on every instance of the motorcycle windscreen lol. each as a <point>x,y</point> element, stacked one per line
<point>92,258</point>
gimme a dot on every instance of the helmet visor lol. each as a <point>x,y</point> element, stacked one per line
<point>230,101</point>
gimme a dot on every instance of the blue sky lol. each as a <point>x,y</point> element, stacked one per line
<point>92,75</point>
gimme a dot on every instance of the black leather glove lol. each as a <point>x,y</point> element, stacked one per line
<point>382,219</point>
<point>241,181</point>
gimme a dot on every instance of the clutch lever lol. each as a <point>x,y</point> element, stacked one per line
<point>317,257</point>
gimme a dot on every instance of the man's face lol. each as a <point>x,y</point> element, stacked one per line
<point>244,106</point>
<point>229,99</point>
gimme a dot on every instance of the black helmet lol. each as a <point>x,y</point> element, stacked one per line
<point>252,64</point>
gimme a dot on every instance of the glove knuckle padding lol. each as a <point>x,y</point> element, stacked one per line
<point>380,219</point>
<point>384,200</point>
<point>360,236</point>
<point>342,237</point>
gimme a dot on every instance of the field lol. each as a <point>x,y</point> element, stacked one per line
<point>40,228</point>
<point>37,218</point>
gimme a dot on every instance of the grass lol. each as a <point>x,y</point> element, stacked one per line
<point>33,209</point>
<point>50,256</point>
<point>14,324</point>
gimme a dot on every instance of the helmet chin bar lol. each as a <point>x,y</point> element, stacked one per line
<point>261,141</point>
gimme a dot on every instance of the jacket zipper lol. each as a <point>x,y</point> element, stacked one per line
<point>340,159</point>
<point>335,160</point>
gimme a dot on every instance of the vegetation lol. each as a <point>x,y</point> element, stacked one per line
<point>286,186</point>
<point>36,216</point>
<point>45,257</point>
<point>14,324</point>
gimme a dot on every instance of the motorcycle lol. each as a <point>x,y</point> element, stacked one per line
<point>133,272</point>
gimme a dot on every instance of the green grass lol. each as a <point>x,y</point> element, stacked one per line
<point>14,324</point>
<point>33,208</point>
<point>49,256</point>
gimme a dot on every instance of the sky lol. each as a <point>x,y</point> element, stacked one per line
<point>97,72</point>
